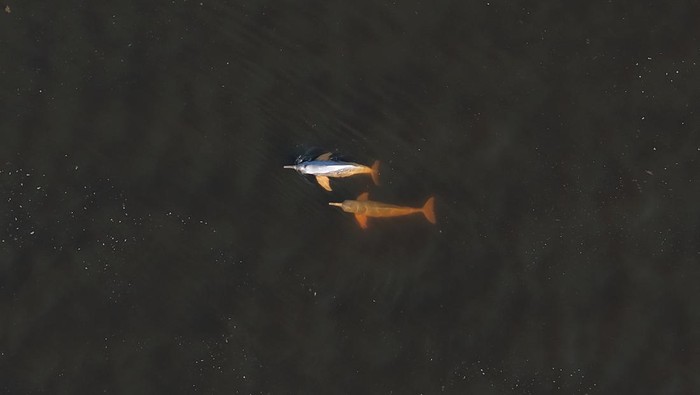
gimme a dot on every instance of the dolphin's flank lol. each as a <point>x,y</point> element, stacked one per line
<point>363,208</point>
<point>324,168</point>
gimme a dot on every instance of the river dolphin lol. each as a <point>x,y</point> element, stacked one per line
<point>363,208</point>
<point>324,167</point>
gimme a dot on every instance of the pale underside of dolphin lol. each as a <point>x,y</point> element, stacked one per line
<point>323,168</point>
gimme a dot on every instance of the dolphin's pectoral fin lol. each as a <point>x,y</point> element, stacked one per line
<point>364,196</point>
<point>326,156</point>
<point>362,220</point>
<point>324,182</point>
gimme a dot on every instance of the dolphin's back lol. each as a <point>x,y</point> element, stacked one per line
<point>331,168</point>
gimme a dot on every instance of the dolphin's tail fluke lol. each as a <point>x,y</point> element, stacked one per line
<point>375,172</point>
<point>429,209</point>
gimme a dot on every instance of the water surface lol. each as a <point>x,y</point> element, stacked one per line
<point>154,244</point>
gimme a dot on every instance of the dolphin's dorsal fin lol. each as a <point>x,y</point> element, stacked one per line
<point>362,220</point>
<point>363,196</point>
<point>324,182</point>
<point>325,156</point>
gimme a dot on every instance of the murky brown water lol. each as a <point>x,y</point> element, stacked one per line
<point>153,243</point>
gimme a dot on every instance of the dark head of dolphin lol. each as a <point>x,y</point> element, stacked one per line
<point>310,154</point>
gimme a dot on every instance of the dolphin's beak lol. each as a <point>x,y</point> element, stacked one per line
<point>336,204</point>
<point>290,167</point>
